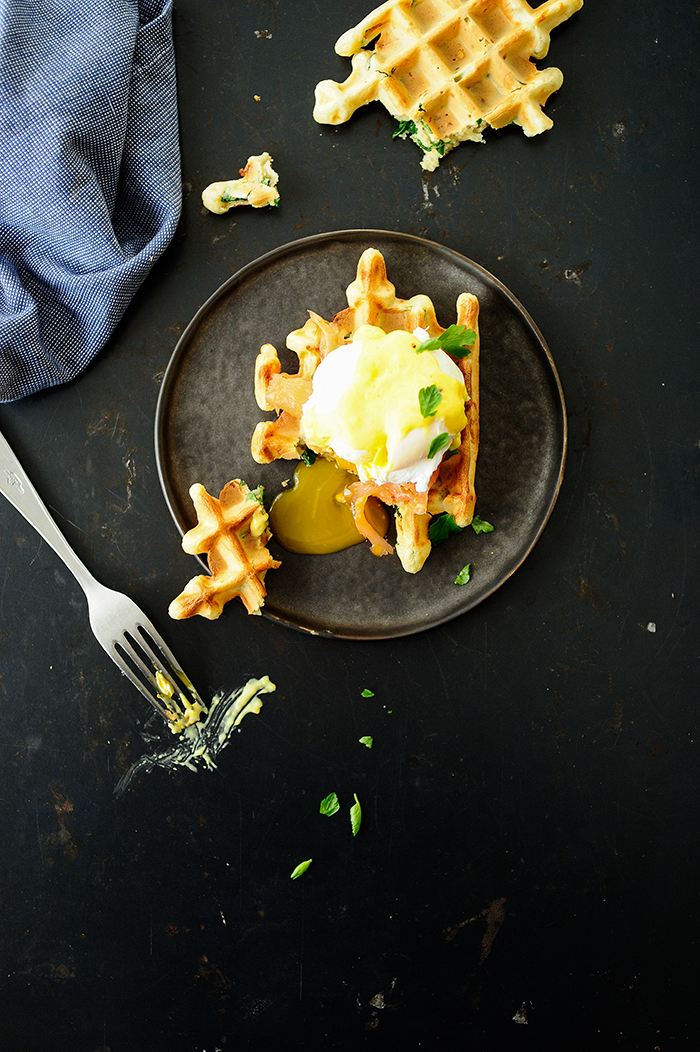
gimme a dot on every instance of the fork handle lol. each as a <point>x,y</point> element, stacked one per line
<point>16,486</point>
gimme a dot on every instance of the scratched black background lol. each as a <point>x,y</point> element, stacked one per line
<point>526,875</point>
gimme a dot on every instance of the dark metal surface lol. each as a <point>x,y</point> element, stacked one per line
<point>352,594</point>
<point>526,873</point>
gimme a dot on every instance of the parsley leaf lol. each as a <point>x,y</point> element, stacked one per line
<point>429,399</point>
<point>367,740</point>
<point>464,574</point>
<point>301,868</point>
<point>330,805</point>
<point>481,526</point>
<point>367,693</point>
<point>457,340</point>
<point>441,527</point>
<point>355,816</point>
<point>438,444</point>
<point>308,456</point>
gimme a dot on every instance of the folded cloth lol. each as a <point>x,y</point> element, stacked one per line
<point>90,186</point>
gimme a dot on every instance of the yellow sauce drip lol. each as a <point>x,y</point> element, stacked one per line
<point>310,519</point>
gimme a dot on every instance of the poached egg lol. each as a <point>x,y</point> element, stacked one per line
<point>377,406</point>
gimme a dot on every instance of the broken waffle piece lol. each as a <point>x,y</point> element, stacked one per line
<point>447,69</point>
<point>233,532</point>
<point>257,187</point>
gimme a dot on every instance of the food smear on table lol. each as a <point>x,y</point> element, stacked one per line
<point>233,531</point>
<point>257,187</point>
<point>387,393</point>
<point>448,69</point>
<point>199,744</point>
<point>312,517</point>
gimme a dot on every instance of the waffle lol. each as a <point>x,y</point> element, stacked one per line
<point>372,300</point>
<point>257,187</point>
<point>233,532</point>
<point>447,69</point>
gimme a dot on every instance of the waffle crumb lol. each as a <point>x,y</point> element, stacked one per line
<point>256,187</point>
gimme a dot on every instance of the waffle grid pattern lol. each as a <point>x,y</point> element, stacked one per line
<point>448,68</point>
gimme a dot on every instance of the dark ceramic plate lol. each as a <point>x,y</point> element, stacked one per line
<point>207,412</point>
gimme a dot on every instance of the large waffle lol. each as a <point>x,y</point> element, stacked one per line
<point>233,532</point>
<point>446,69</point>
<point>372,300</point>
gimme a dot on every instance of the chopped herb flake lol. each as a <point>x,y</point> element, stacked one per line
<point>308,456</point>
<point>256,494</point>
<point>367,740</point>
<point>429,399</point>
<point>405,128</point>
<point>464,574</point>
<point>443,525</point>
<point>301,868</point>
<point>367,693</point>
<point>480,526</point>
<point>355,816</point>
<point>330,805</point>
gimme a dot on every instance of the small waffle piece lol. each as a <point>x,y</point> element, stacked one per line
<point>446,69</point>
<point>372,300</point>
<point>257,187</point>
<point>233,531</point>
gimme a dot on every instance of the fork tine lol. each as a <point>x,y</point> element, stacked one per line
<point>136,643</point>
<point>126,669</point>
<point>148,636</point>
<point>126,644</point>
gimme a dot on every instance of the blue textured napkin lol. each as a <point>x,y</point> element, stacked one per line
<point>90,186</point>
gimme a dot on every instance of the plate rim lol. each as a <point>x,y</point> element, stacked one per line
<point>355,233</point>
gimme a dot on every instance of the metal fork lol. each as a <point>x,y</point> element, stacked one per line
<point>117,622</point>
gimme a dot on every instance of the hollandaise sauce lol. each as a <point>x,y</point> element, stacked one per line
<point>385,408</point>
<point>310,518</point>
